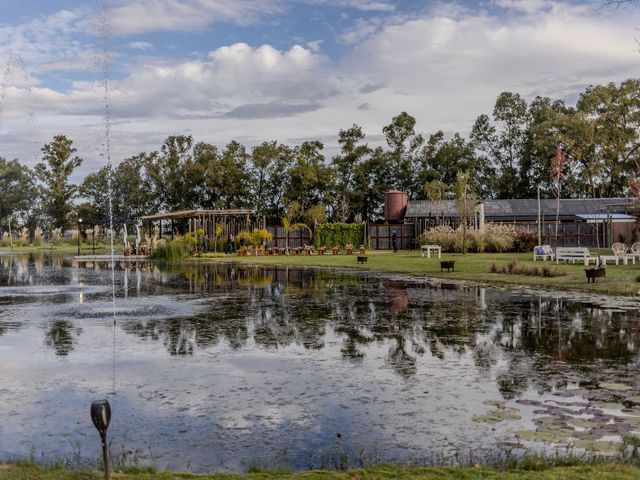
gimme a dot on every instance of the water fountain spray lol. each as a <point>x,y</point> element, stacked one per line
<point>13,61</point>
<point>101,410</point>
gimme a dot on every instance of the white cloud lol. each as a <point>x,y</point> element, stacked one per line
<point>141,16</point>
<point>361,30</point>
<point>444,66</point>
<point>49,43</point>
<point>363,5</point>
<point>140,45</point>
<point>448,69</point>
<point>525,6</point>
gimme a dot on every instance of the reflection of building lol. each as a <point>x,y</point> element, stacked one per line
<point>614,219</point>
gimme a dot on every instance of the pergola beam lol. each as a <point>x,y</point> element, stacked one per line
<point>196,214</point>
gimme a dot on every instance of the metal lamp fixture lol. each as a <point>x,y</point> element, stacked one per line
<point>101,417</point>
<point>79,225</point>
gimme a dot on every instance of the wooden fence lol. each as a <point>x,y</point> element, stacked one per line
<point>380,236</point>
<point>298,237</point>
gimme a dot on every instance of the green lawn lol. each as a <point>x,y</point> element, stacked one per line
<point>620,279</point>
<point>587,472</point>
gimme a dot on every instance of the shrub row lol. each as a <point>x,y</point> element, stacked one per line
<point>339,234</point>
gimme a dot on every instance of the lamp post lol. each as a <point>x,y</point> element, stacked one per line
<point>101,416</point>
<point>79,224</point>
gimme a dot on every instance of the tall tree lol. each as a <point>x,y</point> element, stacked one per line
<point>466,202</point>
<point>54,172</point>
<point>441,159</point>
<point>18,190</point>
<point>227,178</point>
<point>263,157</point>
<point>309,177</point>
<point>405,143</point>
<point>174,174</point>
<point>615,109</point>
<point>351,186</point>
<point>131,191</point>
<point>504,147</point>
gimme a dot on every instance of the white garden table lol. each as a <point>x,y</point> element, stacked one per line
<point>431,248</point>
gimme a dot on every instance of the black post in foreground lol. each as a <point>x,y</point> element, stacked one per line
<point>101,416</point>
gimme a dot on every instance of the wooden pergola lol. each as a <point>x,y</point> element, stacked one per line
<point>233,220</point>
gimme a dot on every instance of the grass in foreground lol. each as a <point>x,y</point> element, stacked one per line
<point>620,279</point>
<point>600,471</point>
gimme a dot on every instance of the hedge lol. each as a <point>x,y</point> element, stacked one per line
<point>339,234</point>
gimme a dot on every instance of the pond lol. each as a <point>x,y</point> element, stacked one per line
<point>223,367</point>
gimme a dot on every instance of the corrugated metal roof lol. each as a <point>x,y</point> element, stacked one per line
<point>521,208</point>
<point>591,217</point>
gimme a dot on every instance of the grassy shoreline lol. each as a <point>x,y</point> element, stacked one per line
<point>620,279</point>
<point>583,472</point>
<point>474,267</point>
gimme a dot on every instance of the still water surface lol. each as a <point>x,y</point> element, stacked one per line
<point>222,367</point>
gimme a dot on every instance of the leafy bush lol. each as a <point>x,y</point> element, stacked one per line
<point>259,235</point>
<point>174,250</point>
<point>339,234</point>
<point>190,241</point>
<point>245,237</point>
<point>6,240</point>
<point>525,240</point>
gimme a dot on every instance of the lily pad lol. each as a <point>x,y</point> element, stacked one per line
<point>534,436</point>
<point>633,422</point>
<point>559,430</point>
<point>635,400</point>
<point>498,415</point>
<point>610,405</point>
<point>487,419</point>
<point>616,387</point>
<point>583,423</point>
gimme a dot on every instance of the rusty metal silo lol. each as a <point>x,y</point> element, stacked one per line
<point>395,206</point>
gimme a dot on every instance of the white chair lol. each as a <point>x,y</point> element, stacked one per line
<point>544,252</point>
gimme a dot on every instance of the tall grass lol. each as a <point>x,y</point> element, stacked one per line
<point>174,250</point>
<point>494,238</point>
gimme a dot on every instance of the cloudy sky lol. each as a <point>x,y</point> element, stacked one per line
<point>289,70</point>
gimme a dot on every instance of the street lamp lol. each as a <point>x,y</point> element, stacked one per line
<point>101,416</point>
<point>79,224</point>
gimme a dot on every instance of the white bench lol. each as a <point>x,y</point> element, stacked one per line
<point>571,254</point>
<point>544,252</point>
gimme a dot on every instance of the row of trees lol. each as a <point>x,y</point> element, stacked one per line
<point>508,154</point>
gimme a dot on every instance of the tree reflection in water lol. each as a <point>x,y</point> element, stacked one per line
<point>537,341</point>
<point>523,340</point>
<point>59,335</point>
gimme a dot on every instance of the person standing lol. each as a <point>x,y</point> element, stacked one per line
<point>394,241</point>
<point>229,245</point>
